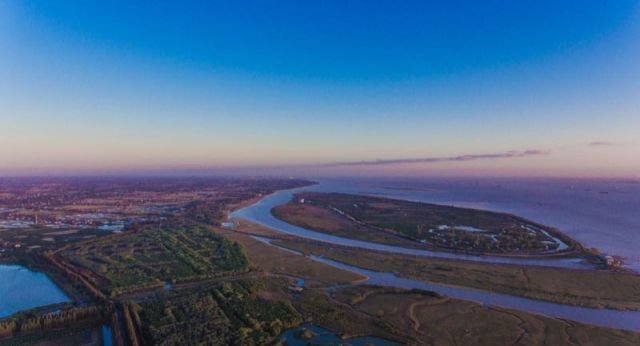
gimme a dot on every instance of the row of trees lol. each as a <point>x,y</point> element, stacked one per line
<point>71,273</point>
<point>131,320</point>
<point>7,328</point>
<point>55,320</point>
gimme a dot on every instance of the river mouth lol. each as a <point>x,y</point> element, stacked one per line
<point>24,289</point>
<point>260,213</point>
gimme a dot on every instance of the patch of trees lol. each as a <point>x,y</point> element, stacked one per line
<point>28,324</point>
<point>230,313</point>
<point>7,328</point>
<point>150,257</point>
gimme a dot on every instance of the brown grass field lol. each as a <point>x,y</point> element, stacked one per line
<point>600,289</point>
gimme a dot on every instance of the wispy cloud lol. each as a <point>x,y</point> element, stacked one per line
<point>470,157</point>
<point>600,144</point>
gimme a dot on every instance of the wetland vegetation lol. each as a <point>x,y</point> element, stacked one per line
<point>184,279</point>
<point>587,288</point>
<point>424,225</point>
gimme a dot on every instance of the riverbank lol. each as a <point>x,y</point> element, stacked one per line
<point>426,226</point>
<point>584,288</point>
<point>394,307</point>
<point>606,221</point>
<point>260,214</point>
<point>35,261</point>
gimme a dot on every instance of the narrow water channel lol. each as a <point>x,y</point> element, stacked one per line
<point>628,320</point>
<point>260,213</point>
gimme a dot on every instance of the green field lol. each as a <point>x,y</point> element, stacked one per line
<point>152,257</point>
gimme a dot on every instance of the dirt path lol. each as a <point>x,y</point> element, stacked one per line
<point>411,311</point>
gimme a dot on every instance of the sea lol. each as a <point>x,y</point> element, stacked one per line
<point>599,213</point>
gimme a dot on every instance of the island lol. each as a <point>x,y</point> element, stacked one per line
<point>425,225</point>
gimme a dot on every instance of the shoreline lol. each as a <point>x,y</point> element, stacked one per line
<point>266,219</point>
<point>50,281</point>
<point>363,272</point>
<point>569,306</point>
<point>574,248</point>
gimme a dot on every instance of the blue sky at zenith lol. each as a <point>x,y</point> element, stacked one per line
<point>96,86</point>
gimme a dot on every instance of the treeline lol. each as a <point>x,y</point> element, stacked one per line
<point>73,274</point>
<point>133,324</point>
<point>56,320</point>
<point>117,291</point>
<point>7,328</point>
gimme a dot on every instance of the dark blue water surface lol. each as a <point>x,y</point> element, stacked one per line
<point>107,338</point>
<point>22,289</point>
<point>325,337</point>
<point>600,213</point>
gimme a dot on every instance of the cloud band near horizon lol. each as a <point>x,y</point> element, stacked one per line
<point>459,158</point>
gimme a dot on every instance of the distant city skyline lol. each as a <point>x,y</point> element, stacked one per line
<point>461,88</point>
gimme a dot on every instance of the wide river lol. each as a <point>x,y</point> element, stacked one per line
<point>23,289</point>
<point>260,213</point>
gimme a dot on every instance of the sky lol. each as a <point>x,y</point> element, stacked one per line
<point>507,88</point>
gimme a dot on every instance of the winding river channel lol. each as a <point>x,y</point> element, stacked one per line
<point>260,213</point>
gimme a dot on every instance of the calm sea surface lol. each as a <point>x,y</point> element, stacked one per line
<point>22,289</point>
<point>604,214</point>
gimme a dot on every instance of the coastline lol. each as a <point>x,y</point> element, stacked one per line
<point>574,248</point>
<point>236,214</point>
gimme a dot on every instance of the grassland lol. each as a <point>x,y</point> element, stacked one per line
<point>412,317</point>
<point>600,289</point>
<point>270,259</point>
<point>430,319</point>
<point>424,225</point>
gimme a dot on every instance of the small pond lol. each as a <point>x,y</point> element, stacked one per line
<point>321,336</point>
